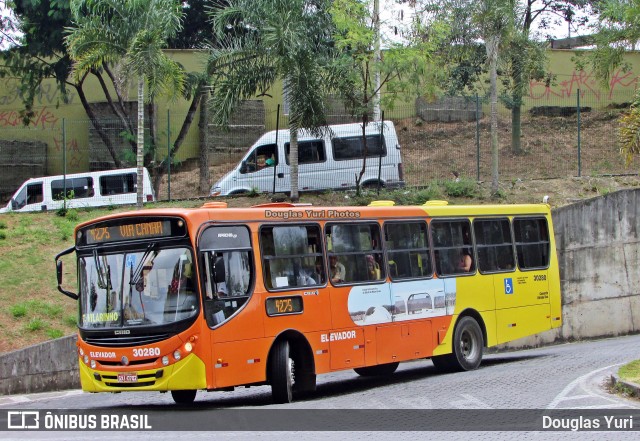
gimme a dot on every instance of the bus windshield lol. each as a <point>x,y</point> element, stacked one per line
<point>146,287</point>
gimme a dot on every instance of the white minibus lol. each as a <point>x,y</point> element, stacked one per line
<point>331,161</point>
<point>90,189</point>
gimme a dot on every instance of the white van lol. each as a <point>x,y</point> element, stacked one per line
<point>91,189</point>
<point>329,162</point>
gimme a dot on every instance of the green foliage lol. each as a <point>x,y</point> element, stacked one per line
<point>35,324</point>
<point>71,320</point>
<point>3,225</point>
<point>629,134</point>
<point>19,310</point>
<point>630,372</point>
<point>464,187</point>
<point>54,333</point>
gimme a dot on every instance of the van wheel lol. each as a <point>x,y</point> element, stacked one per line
<point>183,396</point>
<point>282,369</point>
<point>468,344</point>
<point>380,370</point>
<point>372,185</point>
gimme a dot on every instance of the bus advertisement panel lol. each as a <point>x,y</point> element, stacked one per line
<point>212,298</point>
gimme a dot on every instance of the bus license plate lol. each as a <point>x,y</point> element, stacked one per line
<point>128,377</point>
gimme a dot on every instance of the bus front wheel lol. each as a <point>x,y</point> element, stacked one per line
<point>282,370</point>
<point>380,370</point>
<point>183,396</point>
<point>468,344</point>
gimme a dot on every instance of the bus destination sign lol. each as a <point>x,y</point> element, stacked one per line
<point>123,231</point>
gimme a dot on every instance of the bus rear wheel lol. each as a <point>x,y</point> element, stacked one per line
<point>183,396</point>
<point>468,344</point>
<point>282,368</point>
<point>380,370</point>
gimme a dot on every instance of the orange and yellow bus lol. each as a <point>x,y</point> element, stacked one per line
<point>212,298</point>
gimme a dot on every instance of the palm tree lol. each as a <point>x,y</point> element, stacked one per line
<point>266,40</point>
<point>130,35</point>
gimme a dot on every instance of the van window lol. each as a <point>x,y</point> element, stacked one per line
<point>308,151</point>
<point>31,194</point>
<point>261,157</point>
<point>76,188</point>
<point>352,147</point>
<point>118,184</point>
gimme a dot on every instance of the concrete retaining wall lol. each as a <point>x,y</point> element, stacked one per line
<point>48,366</point>
<point>599,256</point>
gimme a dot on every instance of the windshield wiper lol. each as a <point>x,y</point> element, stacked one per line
<point>137,273</point>
<point>103,274</point>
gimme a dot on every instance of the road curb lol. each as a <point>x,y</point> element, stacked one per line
<point>633,387</point>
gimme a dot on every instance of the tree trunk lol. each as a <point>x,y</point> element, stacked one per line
<point>516,128</point>
<point>140,153</point>
<point>293,160</point>
<point>203,124</point>
<point>492,55</point>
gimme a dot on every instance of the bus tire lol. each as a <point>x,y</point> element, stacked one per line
<point>468,344</point>
<point>183,396</point>
<point>282,373</point>
<point>380,370</point>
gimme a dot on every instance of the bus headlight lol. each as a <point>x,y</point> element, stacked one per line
<point>177,354</point>
<point>165,361</point>
<point>188,347</point>
<point>86,359</point>
<point>93,364</point>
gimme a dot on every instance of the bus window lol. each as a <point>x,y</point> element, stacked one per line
<point>357,248</point>
<point>292,256</point>
<point>408,250</point>
<point>452,247</point>
<point>227,284</point>
<point>494,245</point>
<point>532,242</point>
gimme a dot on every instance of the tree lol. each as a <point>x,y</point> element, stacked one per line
<point>618,31</point>
<point>130,36</point>
<point>494,21</point>
<point>41,54</point>
<point>360,73</point>
<point>262,41</point>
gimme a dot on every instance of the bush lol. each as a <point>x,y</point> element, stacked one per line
<point>464,187</point>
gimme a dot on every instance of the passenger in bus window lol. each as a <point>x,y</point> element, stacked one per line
<point>373,269</point>
<point>336,270</point>
<point>465,263</point>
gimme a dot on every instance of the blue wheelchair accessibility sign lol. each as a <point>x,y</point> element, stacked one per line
<point>508,286</point>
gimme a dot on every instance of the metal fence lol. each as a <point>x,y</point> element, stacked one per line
<point>563,134</point>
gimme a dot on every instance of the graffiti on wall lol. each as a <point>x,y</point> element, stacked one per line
<point>43,119</point>
<point>586,83</point>
<point>47,94</point>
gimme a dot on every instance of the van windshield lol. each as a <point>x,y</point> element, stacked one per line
<point>145,287</point>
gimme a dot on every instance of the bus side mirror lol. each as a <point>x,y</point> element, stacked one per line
<point>70,294</point>
<point>59,271</point>
<point>243,167</point>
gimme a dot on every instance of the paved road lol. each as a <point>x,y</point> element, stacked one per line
<point>568,376</point>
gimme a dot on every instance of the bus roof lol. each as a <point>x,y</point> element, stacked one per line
<point>218,211</point>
